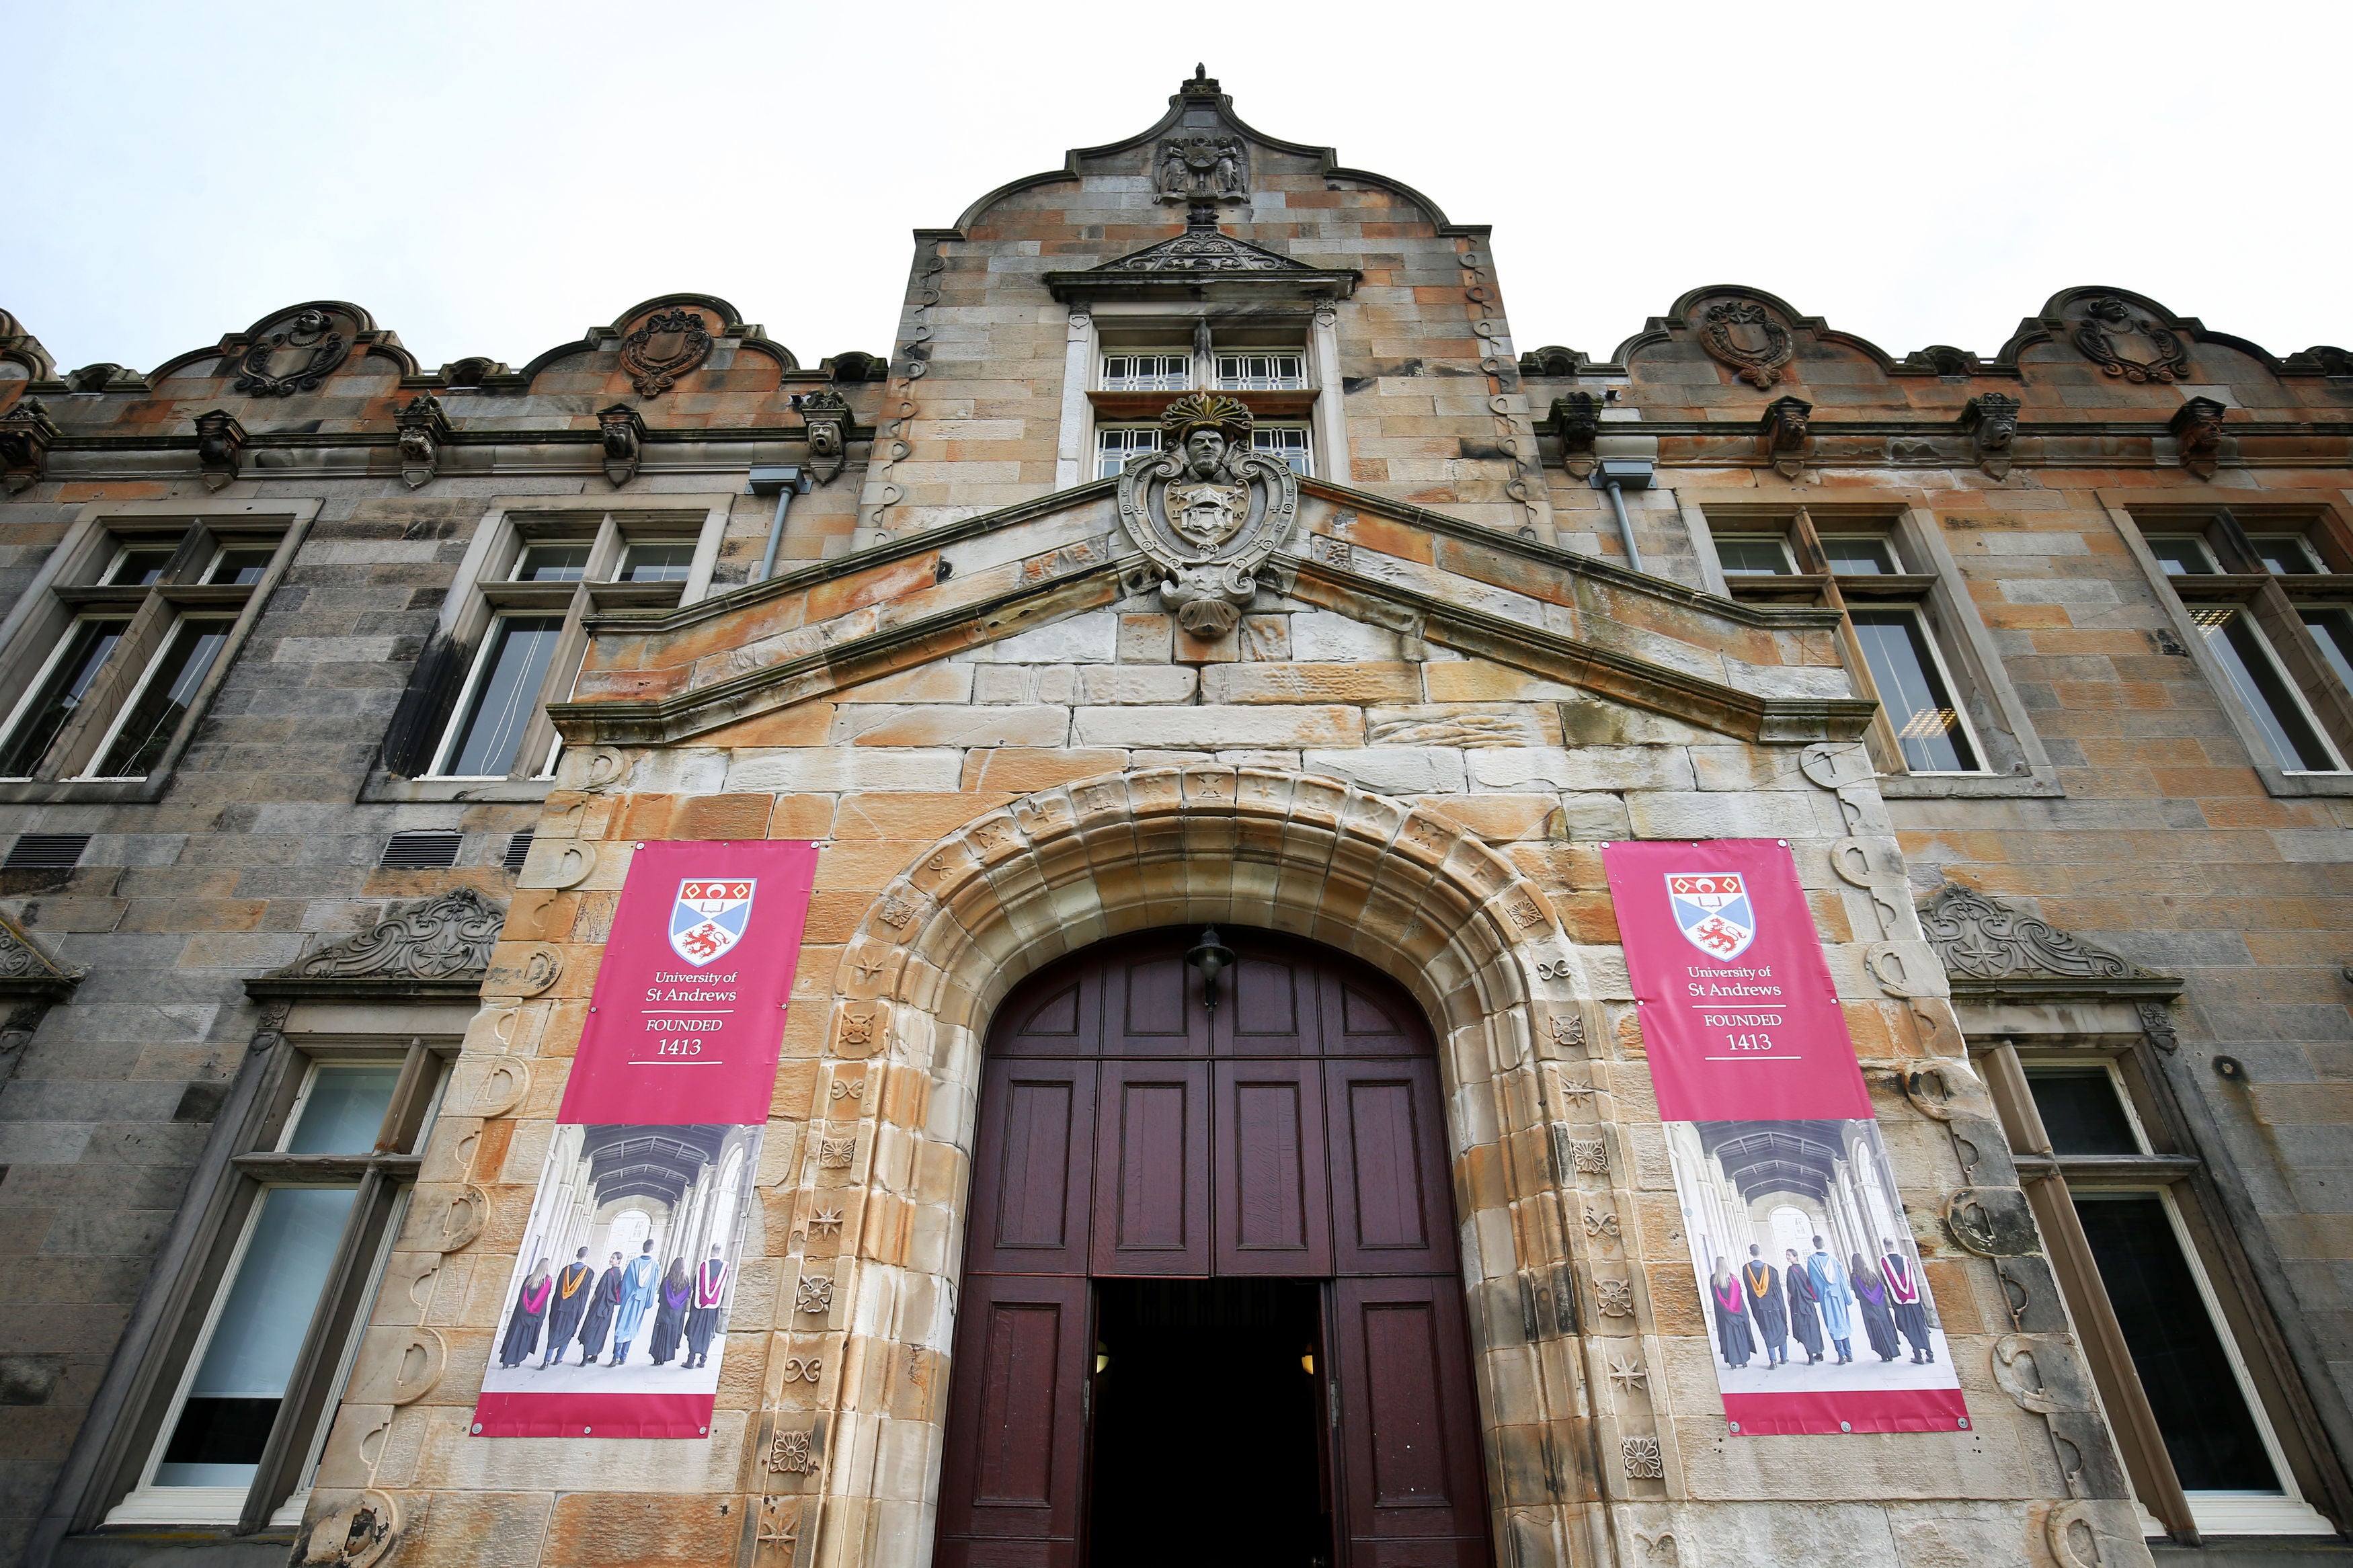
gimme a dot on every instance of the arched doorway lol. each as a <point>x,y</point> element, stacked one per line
<point>1211,1297</point>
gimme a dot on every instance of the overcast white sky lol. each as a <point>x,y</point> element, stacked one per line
<point>492,178</point>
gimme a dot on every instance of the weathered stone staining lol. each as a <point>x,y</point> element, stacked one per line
<point>1203,553</point>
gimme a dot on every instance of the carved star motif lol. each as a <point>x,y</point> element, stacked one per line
<point>827,1220</point>
<point>1629,1375</point>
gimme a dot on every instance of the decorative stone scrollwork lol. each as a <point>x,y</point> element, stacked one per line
<point>424,431</point>
<point>1992,1222</point>
<point>1786,435</point>
<point>1984,939</point>
<point>295,360</point>
<point>2134,347</point>
<point>1616,1295</point>
<point>27,433</point>
<point>462,1221</point>
<point>220,447</point>
<point>2013,1351</point>
<point>494,1084</point>
<point>2196,426</point>
<point>21,958</point>
<point>1204,247</point>
<point>1742,334</point>
<point>1991,420</point>
<point>815,1293</point>
<point>825,416</point>
<point>528,974</point>
<point>621,431</point>
<point>2157,1022</point>
<point>1208,511</point>
<point>363,1531</point>
<point>437,939</point>
<point>666,345</point>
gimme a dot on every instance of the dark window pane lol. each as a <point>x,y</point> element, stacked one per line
<point>553,563</point>
<point>138,568</point>
<point>240,565</point>
<point>1859,557</point>
<point>665,562</point>
<point>2333,630</point>
<point>61,690</point>
<point>1919,709</point>
<point>155,714</point>
<point>2294,744</point>
<point>506,694</point>
<point>2081,1113</point>
<point>2284,554</point>
<point>2189,1379</point>
<point>2181,555</point>
<point>1752,557</point>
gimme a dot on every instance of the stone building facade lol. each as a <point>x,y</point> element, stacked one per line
<point>340,691</point>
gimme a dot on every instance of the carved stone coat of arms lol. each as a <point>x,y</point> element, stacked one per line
<point>1208,511</point>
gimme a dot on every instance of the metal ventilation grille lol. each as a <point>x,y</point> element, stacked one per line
<point>46,851</point>
<point>430,848</point>
<point>518,848</point>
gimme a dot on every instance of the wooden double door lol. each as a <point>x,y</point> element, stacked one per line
<point>1128,1132</point>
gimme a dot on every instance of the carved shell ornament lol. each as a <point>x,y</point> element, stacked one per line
<point>1742,334</point>
<point>2130,346</point>
<point>295,360</point>
<point>1208,511</point>
<point>666,345</point>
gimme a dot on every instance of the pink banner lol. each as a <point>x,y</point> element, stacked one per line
<point>1821,1317</point>
<point>615,1320</point>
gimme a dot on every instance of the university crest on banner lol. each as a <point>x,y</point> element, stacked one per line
<point>1711,909</point>
<point>709,918</point>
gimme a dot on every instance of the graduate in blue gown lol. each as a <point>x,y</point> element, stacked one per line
<point>636,1296</point>
<point>1831,1289</point>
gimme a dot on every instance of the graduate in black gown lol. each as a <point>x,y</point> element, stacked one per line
<point>1732,1340</point>
<point>1766,1307</point>
<point>574,1284</point>
<point>1871,1295</point>
<point>601,1307</point>
<point>1805,1306</point>
<point>530,1312</point>
<point>702,1318</point>
<point>1903,1300</point>
<point>669,1310</point>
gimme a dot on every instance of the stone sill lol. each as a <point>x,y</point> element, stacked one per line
<point>2281,783</point>
<point>385,789</point>
<point>2042,784</point>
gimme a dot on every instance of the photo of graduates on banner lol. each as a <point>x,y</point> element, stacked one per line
<point>1805,1268</point>
<point>628,1267</point>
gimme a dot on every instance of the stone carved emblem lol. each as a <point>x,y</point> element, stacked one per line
<point>1981,939</point>
<point>2134,347</point>
<point>438,939</point>
<point>1742,334</point>
<point>1203,167</point>
<point>664,346</point>
<point>1208,511</point>
<point>295,360</point>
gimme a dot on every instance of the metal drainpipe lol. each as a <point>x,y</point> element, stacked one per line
<point>785,480</point>
<point>1616,475</point>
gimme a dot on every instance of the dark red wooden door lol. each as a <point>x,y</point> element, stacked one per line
<point>1298,1131</point>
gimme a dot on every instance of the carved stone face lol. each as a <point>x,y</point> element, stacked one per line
<point>1204,454</point>
<point>308,325</point>
<point>2110,310</point>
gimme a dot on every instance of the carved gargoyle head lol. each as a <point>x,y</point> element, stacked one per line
<point>1992,418</point>
<point>1784,423</point>
<point>2196,424</point>
<point>1576,417</point>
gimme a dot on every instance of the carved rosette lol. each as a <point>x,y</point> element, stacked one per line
<point>1742,334</point>
<point>666,345</point>
<point>1232,508</point>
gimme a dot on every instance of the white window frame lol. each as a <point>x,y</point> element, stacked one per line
<point>1960,708</point>
<point>1104,430</point>
<point>2286,680</point>
<point>471,686</point>
<point>1157,380</point>
<point>1306,452</point>
<point>2302,540</point>
<point>485,590</point>
<point>2197,542</point>
<point>2283,1512</point>
<point>1271,382</point>
<point>138,690</point>
<point>1780,540</point>
<point>1882,538</point>
<point>48,666</point>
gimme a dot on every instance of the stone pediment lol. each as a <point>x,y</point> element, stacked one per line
<point>1990,948</point>
<point>26,970</point>
<point>434,949</point>
<point>1203,256</point>
<point>1438,588</point>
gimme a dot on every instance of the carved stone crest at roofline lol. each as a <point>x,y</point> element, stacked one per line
<point>436,947</point>
<point>2135,347</point>
<point>295,360</point>
<point>1202,167</point>
<point>666,345</point>
<point>1742,334</point>
<point>1208,511</point>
